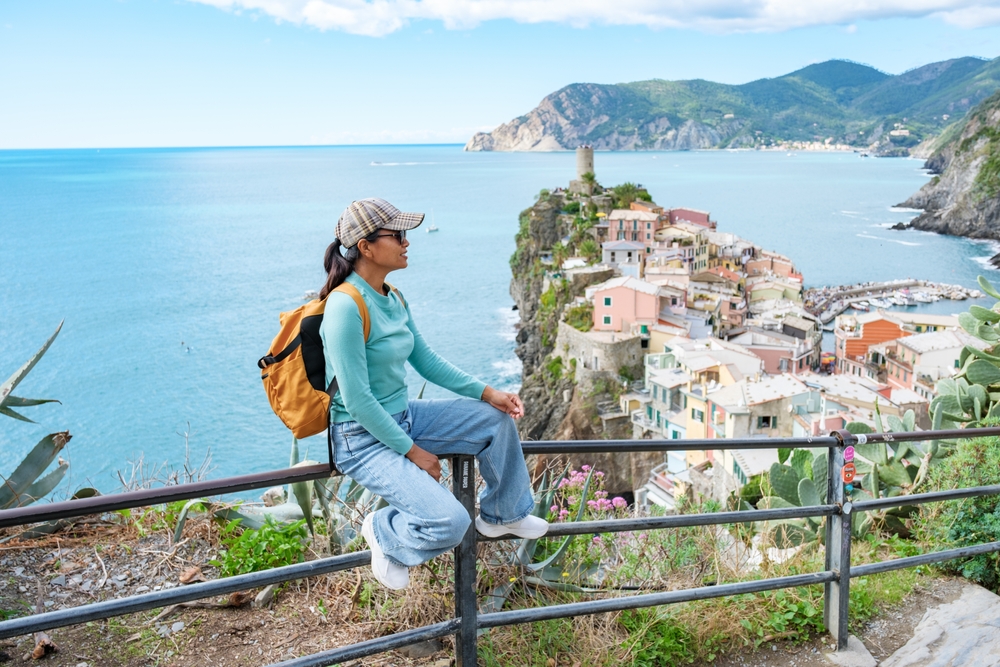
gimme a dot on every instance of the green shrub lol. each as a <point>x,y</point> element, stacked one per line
<point>751,493</point>
<point>657,641</point>
<point>970,521</point>
<point>581,317</point>
<point>554,367</point>
<point>572,207</point>
<point>274,545</point>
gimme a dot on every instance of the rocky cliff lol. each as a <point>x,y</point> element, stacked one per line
<point>556,408</point>
<point>589,113</point>
<point>963,199</point>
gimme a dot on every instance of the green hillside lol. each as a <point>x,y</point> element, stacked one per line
<point>844,101</point>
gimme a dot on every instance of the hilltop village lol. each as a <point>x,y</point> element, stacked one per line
<point>641,321</point>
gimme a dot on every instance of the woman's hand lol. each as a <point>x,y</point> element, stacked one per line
<point>504,402</point>
<point>425,461</point>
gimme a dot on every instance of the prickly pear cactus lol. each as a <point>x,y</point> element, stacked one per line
<point>973,394</point>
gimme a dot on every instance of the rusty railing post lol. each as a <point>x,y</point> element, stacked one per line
<point>463,471</point>
<point>836,594</point>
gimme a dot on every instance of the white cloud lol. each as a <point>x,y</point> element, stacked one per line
<point>382,17</point>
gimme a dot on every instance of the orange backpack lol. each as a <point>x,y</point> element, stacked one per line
<point>294,368</point>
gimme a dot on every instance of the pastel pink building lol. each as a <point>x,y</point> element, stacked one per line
<point>631,305</point>
<point>691,215</point>
<point>638,226</point>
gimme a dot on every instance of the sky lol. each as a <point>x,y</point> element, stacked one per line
<point>143,73</point>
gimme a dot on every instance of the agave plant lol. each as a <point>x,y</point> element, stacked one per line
<point>26,484</point>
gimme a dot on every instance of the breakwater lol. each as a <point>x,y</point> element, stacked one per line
<point>828,302</point>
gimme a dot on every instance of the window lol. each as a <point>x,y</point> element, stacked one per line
<point>675,435</point>
<point>649,412</point>
<point>643,329</point>
<point>783,365</point>
<point>956,363</point>
<point>738,472</point>
<point>607,319</point>
<point>607,301</point>
<point>768,421</point>
<point>697,415</point>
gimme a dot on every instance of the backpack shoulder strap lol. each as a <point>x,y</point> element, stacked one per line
<point>352,291</point>
<point>398,293</point>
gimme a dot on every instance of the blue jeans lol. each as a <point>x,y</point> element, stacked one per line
<point>425,519</point>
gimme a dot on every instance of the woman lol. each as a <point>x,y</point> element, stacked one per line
<point>389,444</point>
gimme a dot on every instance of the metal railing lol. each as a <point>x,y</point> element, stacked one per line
<point>835,577</point>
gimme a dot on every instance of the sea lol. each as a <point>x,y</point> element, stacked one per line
<point>169,267</point>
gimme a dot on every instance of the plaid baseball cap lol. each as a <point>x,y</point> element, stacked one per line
<point>364,216</point>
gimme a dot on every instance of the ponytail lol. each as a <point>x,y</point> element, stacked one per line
<point>339,265</point>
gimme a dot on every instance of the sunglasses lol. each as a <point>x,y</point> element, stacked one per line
<point>400,236</point>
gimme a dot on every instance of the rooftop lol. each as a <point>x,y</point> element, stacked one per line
<point>641,216</point>
<point>748,392</point>
<point>755,461</point>
<point>628,282</point>
<point>933,341</point>
<point>623,245</point>
<point>669,377</point>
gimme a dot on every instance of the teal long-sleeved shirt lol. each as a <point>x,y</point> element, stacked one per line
<point>372,375</point>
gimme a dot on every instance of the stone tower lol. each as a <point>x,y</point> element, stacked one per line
<point>584,165</point>
<point>584,161</point>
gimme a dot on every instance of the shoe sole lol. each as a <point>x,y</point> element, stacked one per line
<point>368,532</point>
<point>523,536</point>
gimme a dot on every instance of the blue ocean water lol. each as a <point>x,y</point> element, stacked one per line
<point>170,267</point>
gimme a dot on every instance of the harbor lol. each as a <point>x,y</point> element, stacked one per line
<point>828,302</point>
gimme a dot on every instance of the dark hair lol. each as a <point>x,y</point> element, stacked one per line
<point>339,265</point>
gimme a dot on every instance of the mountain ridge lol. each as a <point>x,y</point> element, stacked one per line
<point>837,101</point>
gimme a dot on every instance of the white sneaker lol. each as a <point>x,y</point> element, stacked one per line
<point>530,527</point>
<point>386,572</point>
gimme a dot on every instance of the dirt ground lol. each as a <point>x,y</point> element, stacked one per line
<point>101,560</point>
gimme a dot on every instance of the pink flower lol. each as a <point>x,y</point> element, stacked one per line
<point>563,514</point>
<point>554,509</point>
<point>600,494</point>
<point>598,474</point>
<point>571,500</point>
<point>592,504</point>
<point>585,468</point>
<point>619,502</point>
<point>597,539</point>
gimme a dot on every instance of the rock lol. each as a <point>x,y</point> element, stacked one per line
<point>18,571</point>
<point>856,655</point>
<point>274,496</point>
<point>59,581</point>
<point>422,650</point>
<point>177,627</point>
<point>955,202</point>
<point>963,632</point>
<point>265,597</point>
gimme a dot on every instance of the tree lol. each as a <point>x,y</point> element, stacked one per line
<point>559,254</point>
<point>590,250</point>
<point>625,194</point>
